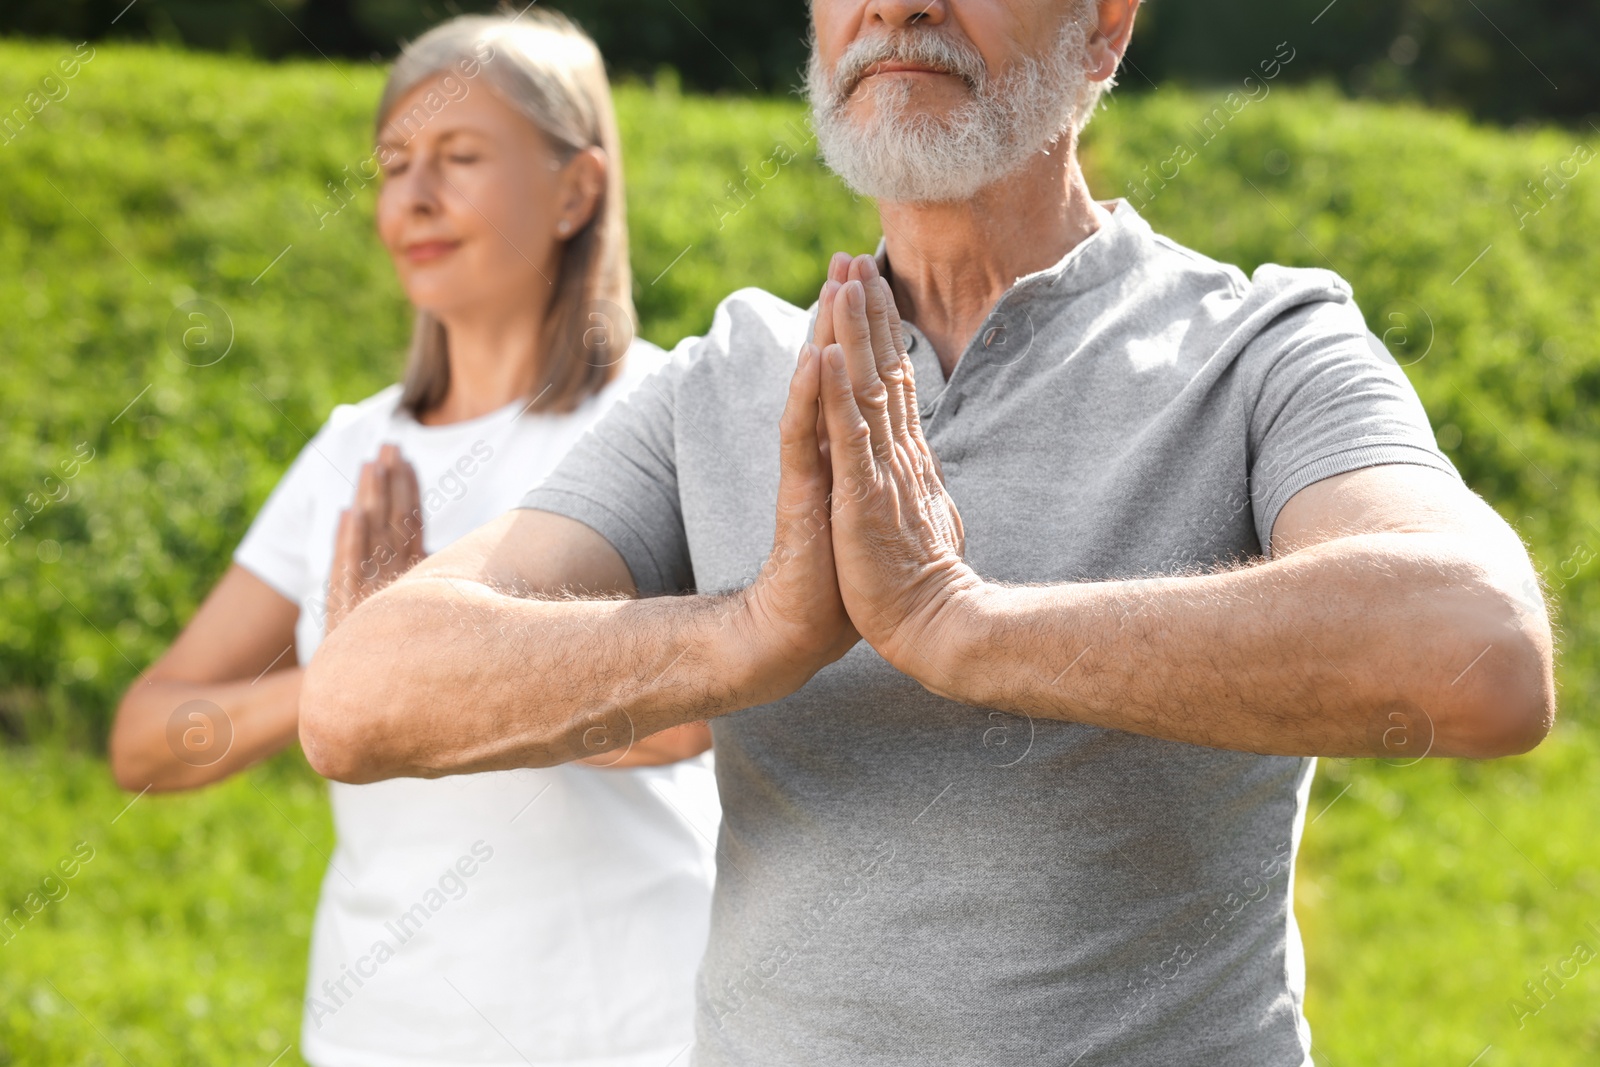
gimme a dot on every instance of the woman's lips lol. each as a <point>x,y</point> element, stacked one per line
<point>428,250</point>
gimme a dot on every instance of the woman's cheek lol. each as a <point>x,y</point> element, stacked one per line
<point>481,199</point>
<point>385,215</point>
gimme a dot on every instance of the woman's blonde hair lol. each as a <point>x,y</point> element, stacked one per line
<point>546,68</point>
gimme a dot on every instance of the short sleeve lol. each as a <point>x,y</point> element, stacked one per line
<point>621,480</point>
<point>274,548</point>
<point>1328,399</point>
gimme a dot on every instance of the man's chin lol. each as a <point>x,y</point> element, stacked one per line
<point>924,100</point>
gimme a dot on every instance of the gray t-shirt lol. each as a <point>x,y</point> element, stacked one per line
<point>908,880</point>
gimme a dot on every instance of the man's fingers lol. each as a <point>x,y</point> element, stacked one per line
<point>849,439</point>
<point>892,365</point>
<point>822,330</point>
<point>855,341</point>
<point>914,417</point>
<point>899,379</point>
<point>797,429</point>
<point>822,334</point>
<point>838,271</point>
<point>913,414</point>
<point>853,333</point>
<point>896,326</point>
<point>879,299</point>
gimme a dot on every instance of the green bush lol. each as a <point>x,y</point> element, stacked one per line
<point>1428,894</point>
<point>180,936</point>
<point>1505,60</point>
<point>162,178</point>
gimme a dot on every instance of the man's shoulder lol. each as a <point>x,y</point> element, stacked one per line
<point>752,332</point>
<point>1229,295</point>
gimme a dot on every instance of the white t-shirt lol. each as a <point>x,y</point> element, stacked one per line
<point>536,916</point>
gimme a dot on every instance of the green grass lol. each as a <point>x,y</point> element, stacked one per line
<point>1429,894</point>
<point>183,940</point>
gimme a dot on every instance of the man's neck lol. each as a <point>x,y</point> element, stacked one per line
<point>950,263</point>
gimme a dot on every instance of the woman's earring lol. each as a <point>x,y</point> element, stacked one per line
<point>563,226</point>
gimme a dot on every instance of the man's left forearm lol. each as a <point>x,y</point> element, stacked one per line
<point>1374,645</point>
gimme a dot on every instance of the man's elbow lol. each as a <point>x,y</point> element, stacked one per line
<point>1505,703</point>
<point>333,733</point>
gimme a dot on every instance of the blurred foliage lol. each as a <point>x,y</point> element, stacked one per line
<point>1498,59</point>
<point>1429,894</point>
<point>162,179</point>
<point>182,940</point>
<point>1503,60</point>
<point>714,44</point>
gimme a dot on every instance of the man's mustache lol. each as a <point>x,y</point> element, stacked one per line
<point>925,48</point>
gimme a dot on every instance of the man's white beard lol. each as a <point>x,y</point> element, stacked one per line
<point>912,157</point>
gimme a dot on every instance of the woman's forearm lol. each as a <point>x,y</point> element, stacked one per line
<point>173,735</point>
<point>438,675</point>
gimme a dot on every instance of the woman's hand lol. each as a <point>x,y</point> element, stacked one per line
<point>380,534</point>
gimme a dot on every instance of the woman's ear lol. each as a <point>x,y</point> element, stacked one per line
<point>583,183</point>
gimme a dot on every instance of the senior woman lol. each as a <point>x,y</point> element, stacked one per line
<point>533,916</point>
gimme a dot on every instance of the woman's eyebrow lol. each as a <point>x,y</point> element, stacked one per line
<point>467,130</point>
<point>397,145</point>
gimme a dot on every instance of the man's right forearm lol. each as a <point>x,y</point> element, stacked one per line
<point>438,675</point>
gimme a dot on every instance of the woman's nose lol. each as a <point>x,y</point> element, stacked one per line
<point>421,189</point>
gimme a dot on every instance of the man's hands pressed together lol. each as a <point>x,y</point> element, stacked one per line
<point>897,535</point>
<point>868,542</point>
<point>795,603</point>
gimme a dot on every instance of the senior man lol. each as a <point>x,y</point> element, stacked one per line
<point>1023,782</point>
